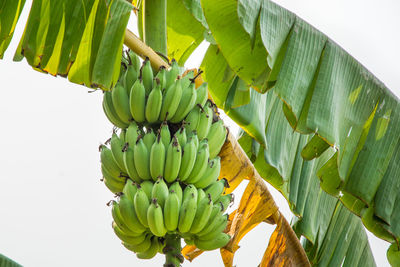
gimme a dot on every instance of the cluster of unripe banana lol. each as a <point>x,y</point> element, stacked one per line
<point>164,164</point>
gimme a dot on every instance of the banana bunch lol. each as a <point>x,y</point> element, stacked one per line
<point>147,211</point>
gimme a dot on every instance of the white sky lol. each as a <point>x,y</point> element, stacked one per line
<point>52,203</point>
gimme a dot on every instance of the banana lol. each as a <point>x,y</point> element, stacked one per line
<point>202,216</point>
<point>114,180</point>
<point>113,186</point>
<point>130,190</point>
<point>139,248</point>
<point>134,60</point>
<point>172,161</point>
<point>188,159</point>
<point>193,135</point>
<point>189,240</point>
<point>116,149</point>
<point>161,76</point>
<point>181,135</point>
<point>172,74</point>
<point>187,79</point>
<point>165,134</point>
<point>186,104</point>
<point>171,211</point>
<point>141,204</point>
<point>146,75</point>
<point>110,112</point>
<point>216,189</point>
<point>188,192</point>
<point>137,101</point>
<point>130,77</point>
<point>220,241</point>
<point>149,139</point>
<point>116,214</point>
<point>160,191</point>
<point>211,174</point>
<point>178,190</point>
<point>171,99</point>
<point>225,201</point>
<point>155,219</point>
<point>200,166</point>
<point>147,186</point>
<point>200,195</point>
<point>205,121</point>
<point>107,160</point>
<point>128,214</point>
<point>215,219</point>
<point>120,101</point>
<point>151,251</point>
<point>132,134</point>
<point>193,118</point>
<point>157,159</point>
<point>129,239</point>
<point>154,103</point>
<point>129,162</point>
<point>121,136</point>
<point>202,94</point>
<point>187,212</point>
<point>142,159</point>
<point>216,138</point>
<point>219,227</point>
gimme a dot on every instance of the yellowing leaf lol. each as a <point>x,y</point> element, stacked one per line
<point>190,252</point>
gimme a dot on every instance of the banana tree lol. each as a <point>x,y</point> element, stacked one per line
<point>316,124</point>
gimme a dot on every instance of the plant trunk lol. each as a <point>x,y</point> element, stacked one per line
<point>172,251</point>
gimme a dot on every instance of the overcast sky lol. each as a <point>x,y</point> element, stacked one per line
<point>52,203</point>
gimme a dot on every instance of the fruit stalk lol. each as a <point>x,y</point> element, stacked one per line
<point>172,251</point>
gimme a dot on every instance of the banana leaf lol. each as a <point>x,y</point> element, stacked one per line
<point>6,262</point>
<point>327,95</point>
<point>79,39</point>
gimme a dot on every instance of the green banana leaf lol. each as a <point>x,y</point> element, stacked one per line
<point>6,262</point>
<point>10,10</point>
<point>79,39</point>
<point>325,93</point>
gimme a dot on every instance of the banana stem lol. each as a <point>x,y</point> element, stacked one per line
<point>172,251</point>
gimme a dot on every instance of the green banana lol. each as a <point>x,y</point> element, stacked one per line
<point>129,162</point>
<point>141,203</point>
<point>172,161</point>
<point>108,161</point>
<point>219,227</point>
<point>120,101</point>
<point>116,214</point>
<point>132,134</point>
<point>220,241</point>
<point>155,219</point>
<point>205,121</point>
<point>130,190</point>
<point>149,138</point>
<point>146,75</point>
<point>134,60</point>
<point>114,180</point>
<point>172,74</point>
<point>142,159</point>
<point>127,210</point>
<point>137,102</point>
<point>193,135</point>
<point>181,135</point>
<point>186,104</point>
<point>187,212</point>
<point>154,103</point>
<point>202,216</point>
<point>151,251</point>
<point>121,136</point>
<point>130,77</point>
<point>116,149</point>
<point>157,159</point>
<point>200,195</point>
<point>188,159</point>
<point>139,248</point>
<point>129,239</point>
<point>225,201</point>
<point>193,118</point>
<point>215,218</point>
<point>216,189</point>
<point>200,166</point>
<point>211,174</point>
<point>160,191</point>
<point>113,186</point>
<point>165,134</point>
<point>178,190</point>
<point>216,137</point>
<point>110,112</point>
<point>187,79</point>
<point>171,211</point>
<point>171,99</point>
<point>161,76</point>
<point>190,190</point>
<point>147,186</point>
<point>202,94</point>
